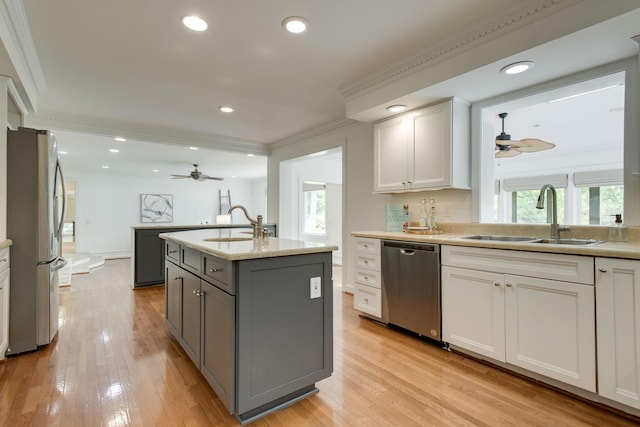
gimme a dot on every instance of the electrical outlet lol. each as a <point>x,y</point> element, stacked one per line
<point>315,287</point>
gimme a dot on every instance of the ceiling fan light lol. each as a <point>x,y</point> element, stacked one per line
<point>517,67</point>
<point>295,25</point>
<point>195,23</point>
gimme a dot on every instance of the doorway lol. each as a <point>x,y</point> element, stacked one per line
<point>311,188</point>
<point>69,225</point>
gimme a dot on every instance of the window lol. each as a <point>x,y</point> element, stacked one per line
<point>584,117</point>
<point>315,196</point>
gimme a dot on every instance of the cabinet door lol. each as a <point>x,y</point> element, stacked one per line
<point>4,311</point>
<point>550,329</point>
<point>218,342</point>
<point>618,311</point>
<point>173,298</point>
<point>473,311</point>
<point>391,141</point>
<point>431,165</point>
<point>190,333</point>
<point>149,257</point>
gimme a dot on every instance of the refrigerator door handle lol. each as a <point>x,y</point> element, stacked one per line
<point>60,223</point>
<point>58,263</point>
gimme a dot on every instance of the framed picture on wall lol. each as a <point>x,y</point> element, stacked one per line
<point>156,208</point>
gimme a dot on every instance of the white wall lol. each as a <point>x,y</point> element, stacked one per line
<point>4,99</point>
<point>108,206</point>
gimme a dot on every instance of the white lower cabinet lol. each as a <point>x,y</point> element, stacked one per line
<point>367,278</point>
<point>541,325</point>
<point>618,330</point>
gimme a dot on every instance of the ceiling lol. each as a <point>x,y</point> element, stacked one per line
<point>122,68</point>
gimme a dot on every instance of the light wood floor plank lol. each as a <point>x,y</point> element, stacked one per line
<point>114,363</point>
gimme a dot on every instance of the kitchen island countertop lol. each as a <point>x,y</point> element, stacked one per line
<point>249,248</point>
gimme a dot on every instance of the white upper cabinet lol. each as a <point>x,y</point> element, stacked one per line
<point>423,149</point>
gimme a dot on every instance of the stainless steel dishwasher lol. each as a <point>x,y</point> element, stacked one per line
<point>411,286</point>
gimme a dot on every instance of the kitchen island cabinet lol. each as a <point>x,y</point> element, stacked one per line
<point>256,318</point>
<point>618,330</point>
<point>530,310</point>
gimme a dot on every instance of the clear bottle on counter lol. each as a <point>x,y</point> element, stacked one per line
<point>423,217</point>
<point>432,220</point>
<point>618,233</point>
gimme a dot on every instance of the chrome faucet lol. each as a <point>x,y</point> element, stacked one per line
<point>257,223</point>
<point>555,228</point>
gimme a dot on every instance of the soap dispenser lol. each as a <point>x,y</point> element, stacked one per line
<point>618,233</point>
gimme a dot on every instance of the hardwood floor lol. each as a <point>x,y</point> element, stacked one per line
<point>114,363</point>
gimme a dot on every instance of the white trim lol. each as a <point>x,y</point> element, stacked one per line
<point>598,178</point>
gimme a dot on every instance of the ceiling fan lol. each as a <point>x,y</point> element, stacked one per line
<point>197,175</point>
<point>507,147</point>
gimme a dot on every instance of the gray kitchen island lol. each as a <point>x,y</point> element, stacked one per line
<point>255,315</point>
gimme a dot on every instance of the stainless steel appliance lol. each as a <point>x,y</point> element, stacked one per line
<point>35,213</point>
<point>411,286</point>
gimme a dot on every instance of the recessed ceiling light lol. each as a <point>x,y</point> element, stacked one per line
<point>114,150</point>
<point>250,155</point>
<point>295,24</point>
<point>194,23</point>
<point>193,148</point>
<point>155,170</point>
<point>226,109</point>
<point>398,108</point>
<point>62,152</point>
<point>105,167</point>
<point>119,138</point>
<point>517,67</point>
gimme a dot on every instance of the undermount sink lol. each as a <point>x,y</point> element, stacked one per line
<point>227,239</point>
<point>574,242</point>
<point>523,239</point>
<point>501,238</point>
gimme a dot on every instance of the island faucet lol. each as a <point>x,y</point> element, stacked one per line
<point>555,228</point>
<point>257,223</point>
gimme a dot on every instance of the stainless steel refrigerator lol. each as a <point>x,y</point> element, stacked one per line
<point>35,213</point>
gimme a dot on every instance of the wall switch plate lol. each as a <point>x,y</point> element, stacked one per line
<point>315,287</point>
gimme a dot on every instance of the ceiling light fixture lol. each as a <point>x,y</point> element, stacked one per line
<point>105,167</point>
<point>397,108</point>
<point>114,150</point>
<point>193,148</point>
<point>120,139</point>
<point>295,24</point>
<point>517,67</point>
<point>250,155</point>
<point>155,170</point>
<point>226,109</point>
<point>194,23</point>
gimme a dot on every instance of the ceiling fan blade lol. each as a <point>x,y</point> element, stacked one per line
<point>506,153</point>
<point>533,144</point>
<point>203,177</point>
<point>510,143</point>
<point>180,176</point>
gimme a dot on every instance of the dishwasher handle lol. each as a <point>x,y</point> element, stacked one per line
<point>407,251</point>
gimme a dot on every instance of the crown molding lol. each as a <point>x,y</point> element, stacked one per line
<point>322,130</point>
<point>16,37</point>
<point>499,26</point>
<point>74,123</point>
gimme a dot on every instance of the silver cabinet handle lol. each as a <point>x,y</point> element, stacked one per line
<point>173,252</point>
<point>509,285</point>
<point>604,270</point>
<point>214,270</point>
<point>366,300</point>
<point>365,246</point>
<point>496,284</point>
<point>195,292</point>
<point>177,278</point>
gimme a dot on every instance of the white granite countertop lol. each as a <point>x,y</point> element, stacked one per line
<point>190,226</point>
<point>5,243</point>
<point>453,235</point>
<point>248,248</point>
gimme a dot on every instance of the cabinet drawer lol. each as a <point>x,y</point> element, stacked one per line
<point>5,259</point>
<point>369,262</point>
<point>172,251</point>
<point>568,268</point>
<point>219,272</point>
<point>368,300</point>
<point>368,277</point>
<point>190,260</point>
<point>367,246</point>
